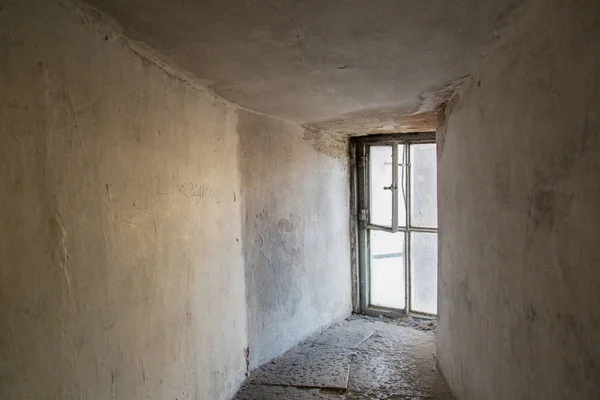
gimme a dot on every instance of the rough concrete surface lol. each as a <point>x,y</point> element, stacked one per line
<point>297,247</point>
<point>519,216</point>
<point>317,61</point>
<point>373,122</point>
<point>387,362</point>
<point>121,265</point>
<point>322,366</point>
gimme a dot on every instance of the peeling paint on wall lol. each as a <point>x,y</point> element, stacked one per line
<point>329,143</point>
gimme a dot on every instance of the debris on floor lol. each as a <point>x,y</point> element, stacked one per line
<point>420,323</point>
<point>360,358</point>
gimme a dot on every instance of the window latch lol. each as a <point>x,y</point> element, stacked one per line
<point>363,215</point>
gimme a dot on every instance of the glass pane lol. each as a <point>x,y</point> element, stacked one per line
<point>423,272</point>
<point>380,169</point>
<point>402,185</point>
<point>423,189</point>
<point>387,270</point>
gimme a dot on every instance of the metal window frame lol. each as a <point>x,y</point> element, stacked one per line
<point>360,202</point>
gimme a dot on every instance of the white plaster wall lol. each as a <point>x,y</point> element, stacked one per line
<point>121,266</point>
<point>519,215</point>
<point>295,188</point>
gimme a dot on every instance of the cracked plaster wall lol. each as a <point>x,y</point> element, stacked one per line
<point>519,196</point>
<point>296,224</point>
<point>121,265</point>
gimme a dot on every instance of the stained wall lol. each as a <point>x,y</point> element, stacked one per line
<point>519,196</point>
<point>121,264</point>
<point>295,187</point>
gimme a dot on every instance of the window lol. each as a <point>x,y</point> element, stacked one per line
<point>397,200</point>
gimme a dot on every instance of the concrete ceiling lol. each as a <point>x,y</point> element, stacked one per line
<point>350,66</point>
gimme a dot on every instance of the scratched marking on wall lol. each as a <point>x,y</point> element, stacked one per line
<point>195,192</point>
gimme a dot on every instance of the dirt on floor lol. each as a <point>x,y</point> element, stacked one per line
<point>360,358</point>
<point>420,323</point>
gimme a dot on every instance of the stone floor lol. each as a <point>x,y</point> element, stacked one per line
<point>360,358</point>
